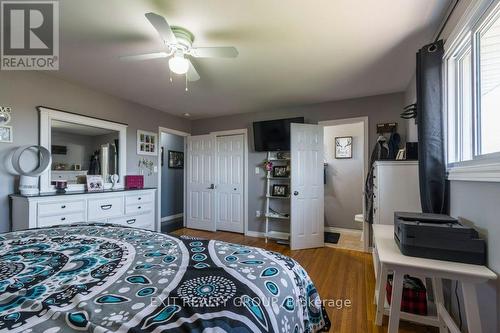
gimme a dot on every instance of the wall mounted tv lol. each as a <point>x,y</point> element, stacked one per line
<point>273,135</point>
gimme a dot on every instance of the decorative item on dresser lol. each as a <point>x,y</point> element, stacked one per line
<point>134,182</point>
<point>135,208</point>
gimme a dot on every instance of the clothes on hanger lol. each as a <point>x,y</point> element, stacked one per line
<point>380,152</point>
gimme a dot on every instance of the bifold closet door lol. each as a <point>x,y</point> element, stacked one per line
<point>307,193</point>
<point>200,182</point>
<point>229,181</point>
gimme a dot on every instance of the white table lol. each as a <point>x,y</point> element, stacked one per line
<point>388,258</point>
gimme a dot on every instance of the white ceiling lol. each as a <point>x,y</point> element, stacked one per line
<point>291,51</point>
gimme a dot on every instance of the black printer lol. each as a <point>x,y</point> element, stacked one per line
<point>438,236</point>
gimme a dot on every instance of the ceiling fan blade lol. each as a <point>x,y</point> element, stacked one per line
<point>161,25</point>
<point>145,56</point>
<point>214,52</point>
<point>192,74</point>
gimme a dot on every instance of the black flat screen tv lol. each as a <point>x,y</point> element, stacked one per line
<point>273,135</point>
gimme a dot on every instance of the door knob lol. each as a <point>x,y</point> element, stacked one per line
<point>296,193</point>
<point>212,187</point>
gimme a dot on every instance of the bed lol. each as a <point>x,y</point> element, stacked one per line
<point>103,277</point>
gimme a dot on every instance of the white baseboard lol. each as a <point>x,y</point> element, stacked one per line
<point>344,230</point>
<point>172,217</point>
<point>258,234</point>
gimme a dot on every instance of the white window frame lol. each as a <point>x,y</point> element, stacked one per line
<point>485,167</point>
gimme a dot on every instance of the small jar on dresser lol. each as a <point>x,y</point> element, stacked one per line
<point>133,208</point>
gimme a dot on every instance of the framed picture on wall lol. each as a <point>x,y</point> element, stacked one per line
<point>147,143</point>
<point>6,134</point>
<point>343,147</point>
<point>175,159</point>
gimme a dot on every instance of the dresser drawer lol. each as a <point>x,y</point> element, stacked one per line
<point>102,208</point>
<point>140,208</point>
<point>138,198</point>
<point>145,221</point>
<point>60,207</point>
<point>48,221</point>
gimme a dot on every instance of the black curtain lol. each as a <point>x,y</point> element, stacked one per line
<point>432,168</point>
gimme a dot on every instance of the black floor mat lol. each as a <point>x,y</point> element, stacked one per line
<point>332,237</point>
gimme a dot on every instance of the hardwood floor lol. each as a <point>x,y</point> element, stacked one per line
<point>337,273</point>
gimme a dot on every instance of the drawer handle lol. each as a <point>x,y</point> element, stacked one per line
<point>131,221</point>
<point>139,198</point>
<point>63,206</point>
<point>139,207</point>
<point>63,219</point>
<point>106,207</point>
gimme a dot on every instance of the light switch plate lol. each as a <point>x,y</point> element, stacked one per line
<point>257,170</point>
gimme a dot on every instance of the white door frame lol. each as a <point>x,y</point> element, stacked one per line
<point>158,199</point>
<point>364,120</point>
<point>243,131</point>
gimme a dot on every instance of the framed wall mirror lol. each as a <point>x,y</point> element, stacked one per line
<point>81,146</point>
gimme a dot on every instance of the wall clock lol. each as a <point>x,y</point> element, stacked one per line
<point>343,147</point>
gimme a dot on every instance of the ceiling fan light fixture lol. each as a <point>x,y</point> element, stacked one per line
<point>178,64</point>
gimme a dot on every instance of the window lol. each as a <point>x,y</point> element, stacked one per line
<point>472,82</point>
<point>488,41</point>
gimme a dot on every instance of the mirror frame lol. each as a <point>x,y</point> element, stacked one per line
<point>49,114</point>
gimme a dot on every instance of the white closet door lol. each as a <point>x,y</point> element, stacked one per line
<point>229,180</point>
<point>200,183</point>
<point>307,220</point>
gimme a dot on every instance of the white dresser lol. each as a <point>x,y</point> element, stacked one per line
<point>134,208</point>
<point>395,188</point>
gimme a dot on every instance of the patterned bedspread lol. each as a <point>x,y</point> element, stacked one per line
<point>101,277</point>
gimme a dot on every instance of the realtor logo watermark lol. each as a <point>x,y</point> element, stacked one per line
<point>29,35</point>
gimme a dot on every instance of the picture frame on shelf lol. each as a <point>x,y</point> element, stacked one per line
<point>147,143</point>
<point>280,190</point>
<point>175,159</point>
<point>343,147</point>
<point>280,171</point>
<point>95,183</point>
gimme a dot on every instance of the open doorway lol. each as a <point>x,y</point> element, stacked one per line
<point>345,160</point>
<point>171,186</point>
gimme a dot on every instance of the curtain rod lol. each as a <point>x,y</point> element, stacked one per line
<point>446,21</point>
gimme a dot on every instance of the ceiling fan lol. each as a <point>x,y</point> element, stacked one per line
<point>179,46</point>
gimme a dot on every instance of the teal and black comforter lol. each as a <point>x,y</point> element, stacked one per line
<point>108,278</point>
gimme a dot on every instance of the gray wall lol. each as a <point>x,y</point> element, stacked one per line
<point>79,148</point>
<point>344,177</point>
<point>382,108</point>
<point>477,203</point>
<point>172,180</point>
<point>23,91</point>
